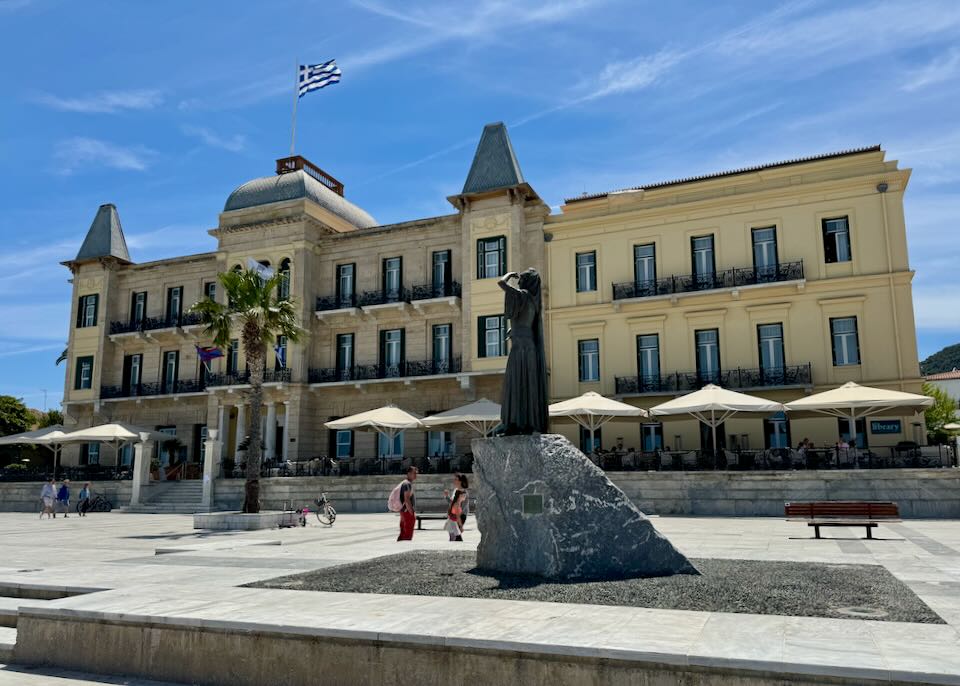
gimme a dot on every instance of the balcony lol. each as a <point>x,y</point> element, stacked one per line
<point>243,378</point>
<point>399,297</point>
<point>684,382</point>
<point>374,371</point>
<point>693,283</point>
<point>154,324</point>
<point>145,390</point>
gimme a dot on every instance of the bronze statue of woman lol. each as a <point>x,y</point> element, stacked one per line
<point>523,408</point>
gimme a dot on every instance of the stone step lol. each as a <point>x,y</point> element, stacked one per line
<point>8,639</point>
<point>9,607</point>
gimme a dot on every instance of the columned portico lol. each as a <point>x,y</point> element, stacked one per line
<point>223,418</point>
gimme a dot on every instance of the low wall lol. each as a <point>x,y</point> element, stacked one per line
<point>25,496</point>
<point>921,493</point>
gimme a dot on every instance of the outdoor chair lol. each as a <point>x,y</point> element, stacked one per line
<point>732,459</point>
<point>689,460</point>
<point>666,460</point>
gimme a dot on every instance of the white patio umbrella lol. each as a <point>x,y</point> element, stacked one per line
<point>49,436</point>
<point>387,421</point>
<point>481,416</point>
<point>114,434</point>
<point>852,401</point>
<point>592,410</point>
<point>712,405</point>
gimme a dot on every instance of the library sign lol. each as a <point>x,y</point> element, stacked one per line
<point>888,426</point>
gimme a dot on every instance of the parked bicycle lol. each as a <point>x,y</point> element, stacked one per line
<point>96,504</point>
<point>325,512</point>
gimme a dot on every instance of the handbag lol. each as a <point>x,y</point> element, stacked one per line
<point>452,528</point>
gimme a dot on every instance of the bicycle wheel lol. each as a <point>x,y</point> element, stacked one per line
<point>327,516</point>
<point>102,505</point>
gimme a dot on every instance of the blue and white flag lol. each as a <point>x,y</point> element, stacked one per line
<point>316,76</point>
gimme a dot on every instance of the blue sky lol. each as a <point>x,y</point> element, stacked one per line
<point>164,108</point>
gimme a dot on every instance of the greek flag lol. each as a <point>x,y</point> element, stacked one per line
<point>316,76</point>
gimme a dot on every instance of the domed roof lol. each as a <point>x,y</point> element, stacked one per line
<point>294,185</point>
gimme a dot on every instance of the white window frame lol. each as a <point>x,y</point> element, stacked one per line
<point>588,351</point>
<point>586,263</point>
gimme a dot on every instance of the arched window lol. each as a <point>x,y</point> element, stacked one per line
<point>283,291</point>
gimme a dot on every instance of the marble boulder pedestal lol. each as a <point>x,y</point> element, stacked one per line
<point>544,509</point>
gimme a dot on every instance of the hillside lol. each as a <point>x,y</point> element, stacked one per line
<point>942,361</point>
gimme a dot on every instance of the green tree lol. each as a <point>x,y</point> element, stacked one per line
<point>943,411</point>
<point>254,310</point>
<point>15,417</point>
<point>51,418</point>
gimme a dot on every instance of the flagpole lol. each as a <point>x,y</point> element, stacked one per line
<point>296,97</point>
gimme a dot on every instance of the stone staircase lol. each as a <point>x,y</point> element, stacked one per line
<point>12,597</point>
<point>170,497</point>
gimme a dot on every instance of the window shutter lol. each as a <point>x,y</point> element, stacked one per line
<point>503,334</point>
<point>76,374</point>
<point>96,308</point>
<point>480,337</point>
<point>503,256</point>
<point>856,337</point>
<point>580,360</point>
<point>833,344</point>
<point>383,349</point>
<point>80,312</point>
<point>403,352</point>
<point>400,273</point>
<point>480,273</point>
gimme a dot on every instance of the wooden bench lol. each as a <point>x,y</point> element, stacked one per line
<point>842,513</point>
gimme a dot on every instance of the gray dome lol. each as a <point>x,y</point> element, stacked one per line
<point>294,185</point>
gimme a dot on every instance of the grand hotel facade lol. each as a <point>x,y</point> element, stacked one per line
<point>780,280</point>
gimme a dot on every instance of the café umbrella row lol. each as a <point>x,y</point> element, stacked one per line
<point>711,405</point>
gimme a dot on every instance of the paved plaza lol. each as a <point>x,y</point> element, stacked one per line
<point>160,566</point>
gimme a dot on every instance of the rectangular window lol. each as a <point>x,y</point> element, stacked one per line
<point>391,352</point>
<point>492,336</point>
<point>345,285</point>
<point>344,444</point>
<point>770,341</point>
<point>280,353</point>
<point>589,357</point>
<point>441,273</point>
<point>776,431</point>
<point>836,240</point>
<point>704,261</point>
<point>651,436</point>
<point>132,365</point>
<point>708,355</point>
<point>138,308</point>
<point>233,357</point>
<point>87,311</point>
<point>174,305</point>
<point>491,257</point>
<point>442,348</point>
<point>384,449</point>
<point>344,356</point>
<point>585,446</point>
<point>171,364</point>
<point>439,444</point>
<point>392,278</point>
<point>586,271</point>
<point>846,344</point>
<point>83,374</point>
<point>765,253</point>
<point>168,452</point>
<point>210,290</point>
<point>648,362</point>
<point>90,453</point>
<point>645,269</point>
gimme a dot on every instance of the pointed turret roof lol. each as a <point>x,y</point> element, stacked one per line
<point>494,164</point>
<point>105,237</point>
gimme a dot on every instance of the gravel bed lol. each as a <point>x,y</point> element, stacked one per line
<point>804,589</point>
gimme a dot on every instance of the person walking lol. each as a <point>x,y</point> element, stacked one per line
<point>408,505</point>
<point>63,497</point>
<point>460,485</point>
<point>454,511</point>
<point>84,499</point>
<point>48,497</point>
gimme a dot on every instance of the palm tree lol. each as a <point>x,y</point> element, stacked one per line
<point>254,308</point>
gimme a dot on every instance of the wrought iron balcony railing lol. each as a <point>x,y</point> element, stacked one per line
<point>366,372</point>
<point>384,296</point>
<point>154,323</point>
<point>435,290</point>
<point>681,382</point>
<point>336,302</point>
<point>241,378</point>
<point>146,389</point>
<point>690,283</point>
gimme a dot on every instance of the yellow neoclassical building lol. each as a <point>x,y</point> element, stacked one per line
<point>780,280</point>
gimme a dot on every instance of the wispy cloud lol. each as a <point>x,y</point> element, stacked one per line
<point>943,68</point>
<point>234,143</point>
<point>104,102</point>
<point>80,154</point>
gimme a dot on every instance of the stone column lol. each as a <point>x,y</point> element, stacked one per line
<point>286,430</point>
<point>241,426</point>
<point>223,416</point>
<point>270,435</point>
<point>141,467</point>
<point>211,466</point>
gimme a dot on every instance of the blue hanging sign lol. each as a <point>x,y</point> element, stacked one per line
<point>886,426</point>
